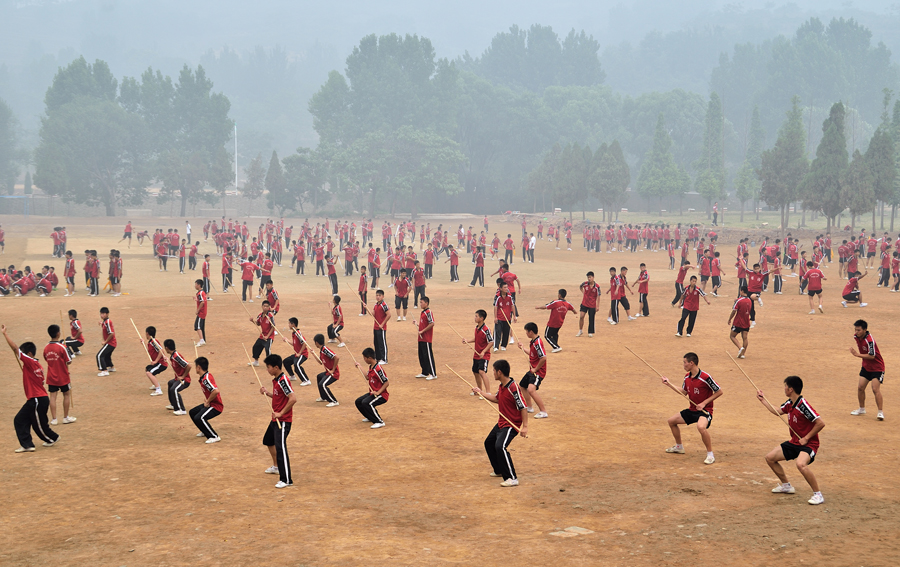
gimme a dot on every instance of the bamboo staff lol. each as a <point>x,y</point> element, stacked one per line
<point>497,409</point>
<point>674,389</point>
<point>368,312</point>
<point>309,347</point>
<point>140,338</point>
<point>467,343</point>
<point>15,351</point>
<point>515,336</point>
<point>278,423</point>
<point>358,368</point>
<point>781,417</point>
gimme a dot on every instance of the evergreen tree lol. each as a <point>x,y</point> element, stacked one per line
<point>756,141</point>
<point>746,185</point>
<point>858,186</point>
<point>28,187</point>
<point>710,182</point>
<point>570,182</point>
<point>276,187</point>
<point>609,177</point>
<point>783,167</point>
<point>256,179</point>
<point>880,158</point>
<point>821,188</point>
<point>660,176</point>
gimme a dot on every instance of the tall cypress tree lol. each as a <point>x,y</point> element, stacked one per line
<point>821,188</point>
<point>858,187</point>
<point>660,176</point>
<point>783,167</point>
<point>880,157</point>
<point>710,166</point>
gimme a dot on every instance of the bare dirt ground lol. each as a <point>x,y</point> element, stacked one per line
<point>130,484</point>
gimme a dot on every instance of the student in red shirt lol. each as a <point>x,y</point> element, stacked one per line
<point>377,394</point>
<point>275,438</point>
<point>643,283</point>
<point>454,263</point>
<point>478,276</point>
<point>679,279</point>
<point>248,270</point>
<point>537,371</point>
<point>504,315</point>
<point>158,363</point>
<point>76,340</point>
<point>182,380</point>
<point>425,329</point>
<point>69,274</point>
<point>104,355</point>
<point>558,308</point>
<point>509,249</point>
<point>851,292</point>
<point>803,420</point>
<point>872,371</point>
<point>702,391</point>
<point>513,412</point>
<point>57,357</point>
<point>418,279</point>
<point>814,277</point>
<point>212,402</point>
<point>590,294</point>
<point>33,414</point>
<point>201,300</point>
<point>329,360</point>
<point>690,305</point>
<point>294,363</point>
<point>481,350</point>
<point>740,320</point>
<point>266,325</point>
<point>381,313</point>
<point>337,321</point>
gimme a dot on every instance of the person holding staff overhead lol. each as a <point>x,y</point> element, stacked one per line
<point>512,421</point>
<point>803,420</point>
<point>275,438</point>
<point>33,414</point>
<point>701,390</point>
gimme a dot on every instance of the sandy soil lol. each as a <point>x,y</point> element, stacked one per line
<point>130,484</point>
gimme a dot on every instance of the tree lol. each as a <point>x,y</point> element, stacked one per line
<point>783,167</point>
<point>609,177</point>
<point>746,185</point>
<point>660,176</point>
<point>710,182</point>
<point>305,173</point>
<point>256,179</point>
<point>428,166</point>
<point>276,187</point>
<point>8,168</point>
<point>571,177</point>
<point>880,158</point>
<point>541,179</point>
<point>756,140</point>
<point>858,185</point>
<point>28,190</point>
<point>821,188</point>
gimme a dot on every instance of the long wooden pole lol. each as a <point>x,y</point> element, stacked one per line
<point>357,366</point>
<point>673,388</point>
<point>278,423</point>
<point>781,417</point>
<point>140,338</point>
<point>513,425</point>
<point>463,338</point>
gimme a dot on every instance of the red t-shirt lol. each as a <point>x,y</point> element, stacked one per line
<point>419,277</point>
<point>75,328</point>
<point>425,318</point>
<point>377,378</point>
<point>454,257</point>
<point>590,293</point>
<point>328,360</point>
<point>483,340</point>
<point>57,357</point>
<point>32,377</point>
<point>851,285</point>
<point>107,329</point>
<point>682,272</point>
<point>208,384</point>
<point>264,321</point>
<point>381,313</point>
<point>867,345</point>
<point>504,305</point>
<point>644,282</point>
<point>401,287</point>
<point>801,417</point>
<point>536,352</point>
<point>156,353</point>
<point>755,282</point>
<point>699,388</point>
<point>201,303</point>
<point>814,276</point>
<point>281,389</point>
<point>180,366</point>
<point>248,271</point>
<point>742,307</point>
<point>691,298</point>
<point>337,315</point>
<point>511,404</point>
<point>558,309</point>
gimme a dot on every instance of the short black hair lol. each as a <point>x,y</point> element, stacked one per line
<point>151,330</point>
<point>294,321</point>
<point>692,357</point>
<point>273,360</point>
<point>368,352</point>
<point>319,339</point>
<point>73,313</point>
<point>169,344</point>
<point>198,282</point>
<point>481,313</point>
<point>531,327</point>
<point>425,299</point>
<point>53,330</point>
<point>795,383</point>
<point>502,366</point>
<point>202,363</point>
<point>104,310</point>
<point>336,299</point>
<point>861,323</point>
<point>562,293</point>
<point>28,348</point>
<point>590,274</point>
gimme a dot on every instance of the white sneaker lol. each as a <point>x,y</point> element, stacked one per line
<point>816,499</point>
<point>377,425</point>
<point>512,341</point>
<point>760,301</point>
<point>49,443</point>
<point>530,410</point>
<point>556,350</point>
<point>844,303</point>
<point>821,310</point>
<point>431,377</point>
<point>332,404</point>
<point>675,449</point>
<point>612,322</point>
<point>25,450</point>
<point>860,411</point>
<point>69,419</point>
<point>579,334</point>
<point>510,482</point>
<point>495,474</point>
<point>677,334</point>
<point>709,460</point>
<point>156,392</point>
<point>503,348</point>
<point>212,440</point>
<point>784,489</point>
<point>320,400</point>
<point>179,412</point>
<point>420,375</point>
<point>541,415</point>
<point>53,422</point>
<point>281,484</point>
<point>404,318</point>
<point>813,312</point>
<point>399,318</point>
<point>880,416</point>
<point>342,345</point>
<point>609,319</point>
<point>861,305</point>
<point>272,470</point>
<point>495,349</point>
<point>103,373</point>
<point>201,343</point>
<point>687,335</point>
<point>752,324</point>
<point>307,383</point>
<point>740,353</point>
<point>170,407</point>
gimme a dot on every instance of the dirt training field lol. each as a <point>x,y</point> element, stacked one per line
<point>130,484</point>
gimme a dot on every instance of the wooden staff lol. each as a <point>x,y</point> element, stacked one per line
<point>140,338</point>
<point>368,312</point>
<point>357,367</point>
<point>781,417</point>
<point>674,389</point>
<point>497,409</point>
<point>196,356</point>
<point>241,301</point>
<point>309,347</point>
<point>470,345</point>
<point>515,336</point>
<point>278,423</point>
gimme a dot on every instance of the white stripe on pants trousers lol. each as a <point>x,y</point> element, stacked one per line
<point>324,380</point>
<point>104,354</point>
<point>426,358</point>
<point>201,416</point>
<point>175,387</point>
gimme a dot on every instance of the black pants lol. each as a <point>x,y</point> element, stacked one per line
<point>778,283</point>
<point>478,276</point>
<point>262,283</point>
<point>226,281</point>
<point>454,273</point>
<point>426,359</point>
<point>753,310</point>
<point>591,315</point>
<point>73,345</point>
<point>531,255</point>
<point>614,310</point>
<point>261,345</point>
<point>366,405</point>
<point>33,415</point>
<point>334,331</point>
<point>104,357</point>
<point>363,301</point>
<point>679,291</point>
<point>691,316</point>
<point>245,285</point>
<point>508,257</point>
<point>206,286</point>
<point>200,325</point>
<point>496,445</point>
<point>885,277</point>
<point>501,334</point>
<point>429,270</point>
<point>294,365</point>
<point>201,415</point>
<point>334,283</point>
<point>320,267</point>
<point>323,380</point>
<point>181,264</point>
<point>192,262</point>
<point>95,286</point>
<point>176,386</point>
<point>645,307</point>
<point>552,336</point>
<point>301,269</point>
<point>381,349</point>
<point>165,262</point>
<point>418,292</point>
<point>277,437</point>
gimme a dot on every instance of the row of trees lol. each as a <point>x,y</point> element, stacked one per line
<point>102,144</point>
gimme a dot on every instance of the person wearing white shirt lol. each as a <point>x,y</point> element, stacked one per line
<point>531,244</point>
